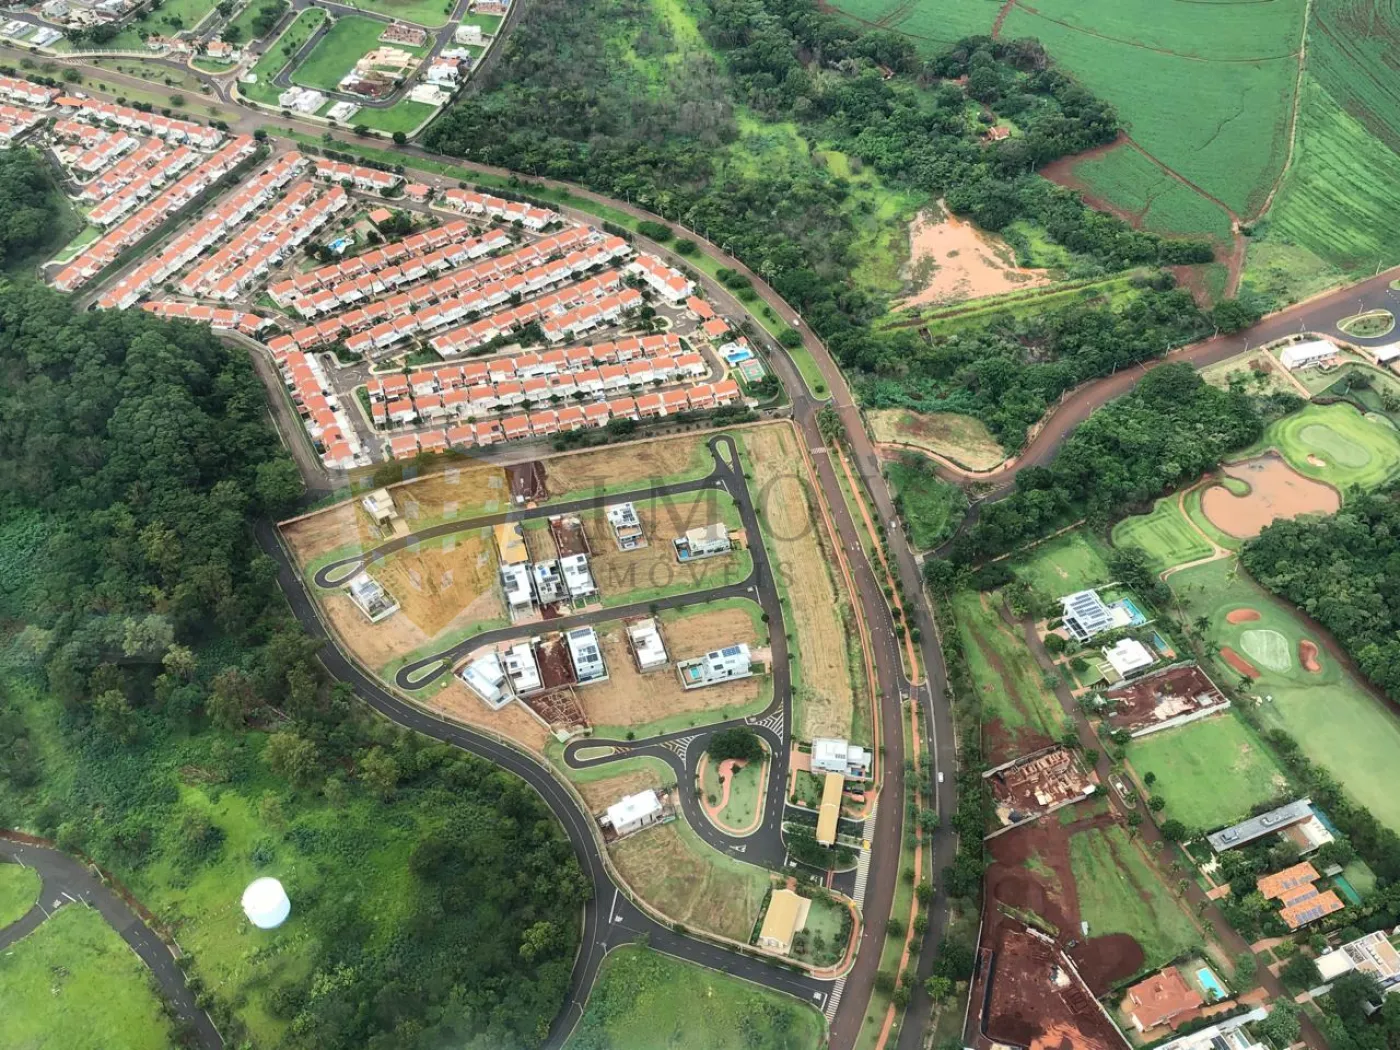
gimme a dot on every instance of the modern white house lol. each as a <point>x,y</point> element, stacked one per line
<point>515,580</point>
<point>586,655</point>
<point>549,585</point>
<point>631,813</point>
<point>485,677</point>
<point>833,755</point>
<point>647,645</point>
<point>1128,656</point>
<point>703,541</point>
<point>1306,354</point>
<point>371,598</point>
<point>577,577</point>
<point>718,665</point>
<point>520,667</point>
<point>626,526</point>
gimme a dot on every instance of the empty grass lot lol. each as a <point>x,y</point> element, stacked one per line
<point>963,439</point>
<point>930,508</point>
<point>643,998</point>
<point>1338,723</point>
<point>1165,534</point>
<point>1211,772</point>
<point>81,988</point>
<point>1120,893</point>
<point>1065,564</point>
<point>430,13</point>
<point>19,889</point>
<point>1010,683</point>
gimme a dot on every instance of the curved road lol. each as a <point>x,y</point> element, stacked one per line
<point>67,881</point>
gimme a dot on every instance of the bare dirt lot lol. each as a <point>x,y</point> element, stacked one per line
<point>692,883</point>
<point>1276,491</point>
<point>951,260</point>
<point>458,492</point>
<point>817,612</point>
<point>512,721</point>
<point>344,525</point>
<point>963,439</point>
<point>444,580</point>
<point>625,468</point>
<point>654,567</point>
<point>602,793</point>
<point>629,698</point>
<point>375,644</point>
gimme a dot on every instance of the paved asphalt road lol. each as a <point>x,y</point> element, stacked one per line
<point>67,883</point>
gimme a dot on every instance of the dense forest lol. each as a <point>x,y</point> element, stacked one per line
<point>604,93</point>
<point>27,209</point>
<point>1170,429</point>
<point>161,712</point>
<point>1344,571</point>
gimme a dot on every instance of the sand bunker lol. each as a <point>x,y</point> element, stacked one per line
<point>1316,461</point>
<point>951,260</point>
<point>1238,662</point>
<point>1242,616</point>
<point>1276,491</point>
<point>1307,655</point>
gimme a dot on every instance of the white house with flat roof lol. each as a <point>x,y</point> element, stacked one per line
<point>1128,657</point>
<point>1085,614</point>
<point>703,541</point>
<point>515,581</point>
<point>577,576</point>
<point>371,598</point>
<point>1306,354</point>
<point>626,526</point>
<point>834,755</point>
<point>647,645</point>
<point>586,655</point>
<point>549,585</point>
<point>631,813</point>
<point>485,677</point>
<point>520,667</point>
<point>718,665</point>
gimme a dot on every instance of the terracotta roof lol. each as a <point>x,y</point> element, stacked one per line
<point>1281,882</point>
<point>1161,997</point>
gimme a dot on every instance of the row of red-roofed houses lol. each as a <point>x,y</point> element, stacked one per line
<point>505,395</point>
<point>389,333</point>
<point>565,314</point>
<point>470,202</point>
<point>103,252</point>
<point>362,178</point>
<point>671,285</point>
<point>217,318</point>
<point>549,421</point>
<point>143,185</point>
<point>547,272</point>
<point>172,129</point>
<point>24,93</point>
<point>324,416</point>
<point>292,289</point>
<point>14,122</point>
<point>92,149</point>
<point>212,227</point>
<point>531,365</point>
<point>277,245</point>
<point>108,182</point>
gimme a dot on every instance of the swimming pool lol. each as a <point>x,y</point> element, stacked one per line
<point>339,244</point>
<point>1207,980</point>
<point>1130,606</point>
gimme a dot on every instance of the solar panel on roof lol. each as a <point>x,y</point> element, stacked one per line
<point>733,650</point>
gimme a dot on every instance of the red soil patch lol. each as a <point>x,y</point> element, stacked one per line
<point>1307,656</point>
<point>1061,172</point>
<point>1239,663</point>
<point>1242,616</point>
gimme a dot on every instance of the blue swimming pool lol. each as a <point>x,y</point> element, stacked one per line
<point>1130,607</point>
<point>1207,981</point>
<point>339,244</point>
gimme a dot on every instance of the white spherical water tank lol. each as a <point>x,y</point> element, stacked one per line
<point>266,905</point>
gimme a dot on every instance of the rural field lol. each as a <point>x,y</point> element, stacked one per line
<point>1339,725</point>
<point>1211,773</point>
<point>1149,197</point>
<point>1019,712</point>
<point>1064,564</point>
<point>816,608</point>
<point>336,53</point>
<point>965,440</point>
<point>19,889</point>
<point>672,870</point>
<point>1119,892</point>
<point>644,998</point>
<point>82,989</point>
<point>1165,534</point>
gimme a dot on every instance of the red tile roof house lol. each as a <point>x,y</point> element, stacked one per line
<point>1161,998</point>
<point>404,446</point>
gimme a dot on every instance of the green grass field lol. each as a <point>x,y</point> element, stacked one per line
<point>430,13</point>
<point>1354,449</point>
<point>279,54</point>
<point>1210,772</point>
<point>930,508</point>
<point>19,889</point>
<point>336,53</point>
<point>744,796</point>
<point>1011,684</point>
<point>1131,181</point>
<point>644,998</point>
<point>489,24</point>
<point>820,942</point>
<point>1338,724</point>
<point>1120,893</point>
<point>1164,534</point>
<point>932,26</point>
<point>81,988</point>
<point>1065,564</point>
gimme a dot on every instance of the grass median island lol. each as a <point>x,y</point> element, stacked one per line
<point>930,508</point>
<point>645,999</point>
<point>1119,892</point>
<point>74,983</point>
<point>19,890</point>
<point>1211,773</point>
<point>276,57</point>
<point>1165,534</point>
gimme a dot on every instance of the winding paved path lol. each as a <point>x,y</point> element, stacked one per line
<point>67,881</point>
